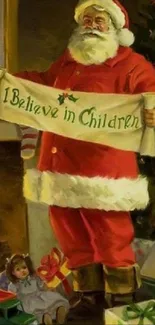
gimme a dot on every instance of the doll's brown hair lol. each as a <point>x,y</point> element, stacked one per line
<point>15,260</point>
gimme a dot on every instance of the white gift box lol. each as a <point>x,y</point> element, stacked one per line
<point>114,316</point>
<point>112,319</point>
<point>142,248</point>
<point>148,268</point>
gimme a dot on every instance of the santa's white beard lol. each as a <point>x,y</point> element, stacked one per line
<point>93,47</point>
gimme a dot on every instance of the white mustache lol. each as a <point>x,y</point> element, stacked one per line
<point>91,31</point>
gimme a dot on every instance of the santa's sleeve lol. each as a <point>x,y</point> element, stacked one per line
<point>142,78</point>
<point>29,135</point>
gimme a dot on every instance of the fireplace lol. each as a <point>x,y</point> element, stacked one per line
<point>13,212</point>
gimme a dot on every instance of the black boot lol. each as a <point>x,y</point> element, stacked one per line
<point>123,286</point>
<point>117,300</point>
<point>138,296</point>
<point>142,294</point>
<point>88,309</point>
<point>88,303</point>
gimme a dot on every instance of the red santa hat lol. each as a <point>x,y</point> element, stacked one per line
<point>118,16</point>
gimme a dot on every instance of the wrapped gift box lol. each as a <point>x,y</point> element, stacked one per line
<point>6,295</point>
<point>142,248</point>
<point>148,272</point>
<point>137,314</point>
<point>148,269</point>
<point>54,272</point>
<point>112,319</point>
<point>149,285</point>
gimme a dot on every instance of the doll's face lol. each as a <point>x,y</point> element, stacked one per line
<point>21,271</point>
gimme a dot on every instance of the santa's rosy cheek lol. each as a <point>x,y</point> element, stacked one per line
<point>87,24</point>
<point>102,27</point>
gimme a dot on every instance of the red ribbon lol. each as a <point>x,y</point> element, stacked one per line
<point>51,264</point>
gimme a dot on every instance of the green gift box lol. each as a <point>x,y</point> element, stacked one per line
<point>134,314</point>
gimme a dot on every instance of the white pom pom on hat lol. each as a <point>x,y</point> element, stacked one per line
<point>126,37</point>
<point>117,13</point>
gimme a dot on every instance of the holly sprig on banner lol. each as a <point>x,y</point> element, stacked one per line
<point>63,96</point>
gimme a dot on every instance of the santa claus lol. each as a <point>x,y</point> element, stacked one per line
<point>95,242</point>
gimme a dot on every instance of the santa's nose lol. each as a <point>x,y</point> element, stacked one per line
<point>94,25</point>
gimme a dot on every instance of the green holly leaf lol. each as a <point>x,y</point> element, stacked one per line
<point>61,99</point>
<point>72,98</point>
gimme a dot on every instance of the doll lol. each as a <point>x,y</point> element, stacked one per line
<point>32,291</point>
<point>4,281</point>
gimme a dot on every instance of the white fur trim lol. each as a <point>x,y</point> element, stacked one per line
<point>110,6</point>
<point>91,193</point>
<point>126,37</point>
<point>32,184</point>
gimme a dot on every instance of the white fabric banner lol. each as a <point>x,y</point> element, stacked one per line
<point>110,119</point>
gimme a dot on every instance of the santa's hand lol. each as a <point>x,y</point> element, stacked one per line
<point>149,117</point>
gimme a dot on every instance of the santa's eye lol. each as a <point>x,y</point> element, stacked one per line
<point>87,21</point>
<point>100,21</point>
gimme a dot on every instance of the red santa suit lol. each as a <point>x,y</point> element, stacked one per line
<point>91,235</point>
